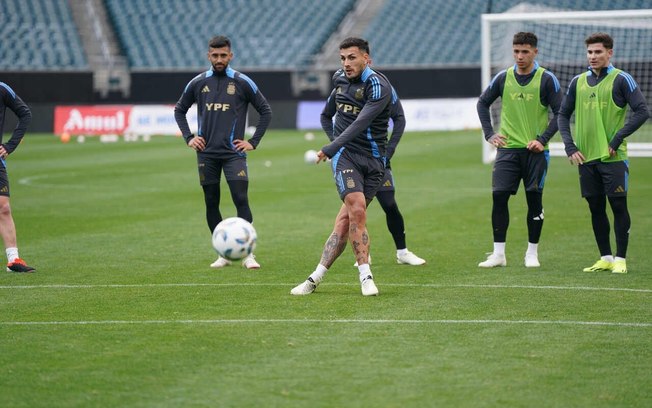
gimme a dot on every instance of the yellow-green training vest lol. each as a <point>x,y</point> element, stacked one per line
<point>522,117</point>
<point>598,118</point>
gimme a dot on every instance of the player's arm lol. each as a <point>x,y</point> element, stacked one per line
<point>627,91</point>
<point>181,108</point>
<point>265,111</point>
<point>21,110</point>
<point>552,95</point>
<point>326,117</point>
<point>488,96</point>
<point>398,117</point>
<point>563,121</point>
<point>379,96</point>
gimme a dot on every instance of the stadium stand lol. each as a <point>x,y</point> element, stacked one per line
<point>415,32</point>
<point>412,33</point>
<point>267,34</point>
<point>39,35</point>
<point>501,6</point>
<point>272,34</point>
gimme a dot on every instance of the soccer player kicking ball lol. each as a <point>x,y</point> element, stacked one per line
<point>357,156</point>
<point>386,194</point>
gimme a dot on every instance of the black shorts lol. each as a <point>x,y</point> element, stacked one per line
<point>210,169</point>
<point>4,181</point>
<point>513,165</point>
<point>598,178</point>
<point>355,172</point>
<point>387,184</point>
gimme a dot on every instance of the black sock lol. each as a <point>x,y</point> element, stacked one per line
<point>395,222</point>
<point>500,215</point>
<point>534,215</point>
<point>600,223</point>
<point>622,223</point>
<point>212,201</point>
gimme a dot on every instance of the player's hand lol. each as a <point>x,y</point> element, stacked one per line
<point>3,152</point>
<point>577,158</point>
<point>197,143</point>
<point>498,140</point>
<point>535,146</point>
<point>321,156</point>
<point>242,145</point>
<point>612,152</point>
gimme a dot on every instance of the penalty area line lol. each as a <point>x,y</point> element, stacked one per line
<point>324,321</point>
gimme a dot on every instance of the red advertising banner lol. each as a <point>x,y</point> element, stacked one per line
<point>92,120</point>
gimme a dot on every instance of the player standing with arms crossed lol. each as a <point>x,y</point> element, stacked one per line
<point>222,95</point>
<point>599,98</point>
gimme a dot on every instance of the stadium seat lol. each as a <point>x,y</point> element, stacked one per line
<point>265,33</point>
<point>27,26</point>
<point>417,33</point>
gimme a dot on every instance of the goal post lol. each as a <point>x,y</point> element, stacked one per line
<point>561,48</point>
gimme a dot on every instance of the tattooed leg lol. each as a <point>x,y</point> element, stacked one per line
<point>336,243</point>
<point>356,205</point>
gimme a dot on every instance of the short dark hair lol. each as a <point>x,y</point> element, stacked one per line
<point>219,42</point>
<point>362,44</point>
<point>600,38</point>
<point>525,38</point>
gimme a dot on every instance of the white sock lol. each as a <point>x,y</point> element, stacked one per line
<point>12,254</point>
<point>532,249</point>
<point>499,248</point>
<point>319,273</point>
<point>619,259</point>
<point>400,252</point>
<point>608,258</point>
<point>364,270</point>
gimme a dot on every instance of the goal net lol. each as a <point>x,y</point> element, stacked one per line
<point>562,51</point>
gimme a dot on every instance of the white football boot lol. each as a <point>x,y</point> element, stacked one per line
<point>532,261</point>
<point>368,286</point>
<point>494,260</point>
<point>305,288</point>
<point>409,258</point>
<point>220,263</point>
<point>250,262</point>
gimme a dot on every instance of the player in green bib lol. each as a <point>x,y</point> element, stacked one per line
<point>527,92</point>
<point>599,98</point>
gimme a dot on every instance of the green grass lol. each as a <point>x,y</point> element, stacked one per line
<point>124,310</point>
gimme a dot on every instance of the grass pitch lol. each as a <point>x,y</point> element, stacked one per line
<point>124,310</point>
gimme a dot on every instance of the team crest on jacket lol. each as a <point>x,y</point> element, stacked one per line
<point>230,88</point>
<point>359,94</point>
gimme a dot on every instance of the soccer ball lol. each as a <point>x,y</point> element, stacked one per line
<point>234,238</point>
<point>310,157</point>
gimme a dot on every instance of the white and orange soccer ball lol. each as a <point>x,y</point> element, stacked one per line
<point>234,238</point>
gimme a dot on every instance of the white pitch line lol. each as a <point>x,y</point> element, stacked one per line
<point>323,321</point>
<point>426,285</point>
<point>555,287</point>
